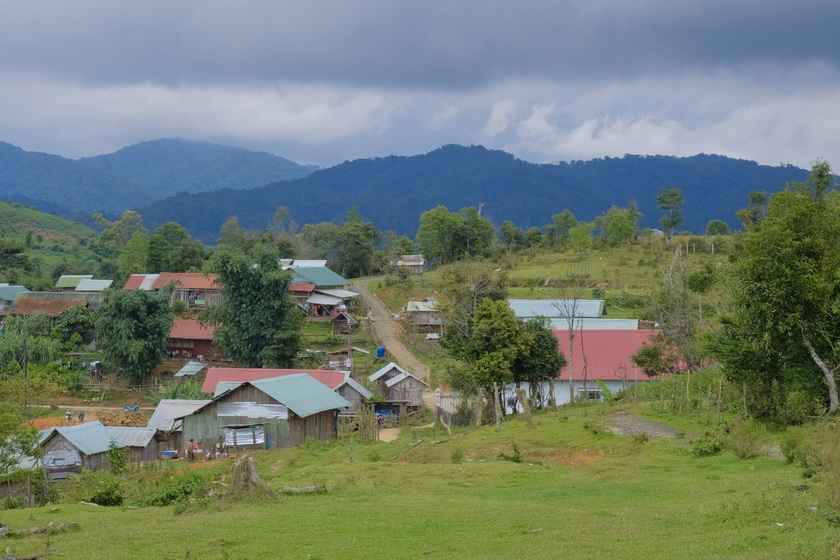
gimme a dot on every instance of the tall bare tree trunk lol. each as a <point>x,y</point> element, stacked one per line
<point>526,406</point>
<point>497,407</point>
<point>479,407</point>
<point>827,372</point>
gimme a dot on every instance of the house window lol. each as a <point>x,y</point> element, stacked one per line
<point>592,395</point>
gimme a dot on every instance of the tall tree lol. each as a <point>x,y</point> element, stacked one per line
<point>171,249</point>
<point>258,323</point>
<point>787,291</point>
<point>671,201</point>
<point>356,245</point>
<point>542,363</point>
<point>133,329</point>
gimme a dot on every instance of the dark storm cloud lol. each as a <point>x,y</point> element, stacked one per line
<point>400,44</point>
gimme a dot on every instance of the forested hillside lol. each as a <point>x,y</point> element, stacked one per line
<point>392,192</point>
<point>168,166</point>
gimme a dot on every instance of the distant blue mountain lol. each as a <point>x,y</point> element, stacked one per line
<point>393,191</point>
<point>170,166</point>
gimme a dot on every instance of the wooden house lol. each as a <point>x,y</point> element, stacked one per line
<point>194,289</point>
<point>329,294</point>
<point>266,414</point>
<point>142,444</point>
<point>68,449</point>
<point>52,304</point>
<point>403,392</point>
<point>414,264</point>
<point>425,316</point>
<point>190,339</point>
<point>339,381</point>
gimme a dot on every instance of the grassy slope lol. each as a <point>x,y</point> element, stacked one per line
<point>16,221</point>
<point>585,493</point>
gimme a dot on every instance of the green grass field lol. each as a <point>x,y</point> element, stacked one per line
<point>579,492</point>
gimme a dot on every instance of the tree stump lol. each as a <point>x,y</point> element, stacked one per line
<point>246,481</point>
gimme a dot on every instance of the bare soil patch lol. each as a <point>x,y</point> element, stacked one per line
<point>628,425</point>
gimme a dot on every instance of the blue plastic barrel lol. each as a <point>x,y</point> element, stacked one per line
<point>380,351</point>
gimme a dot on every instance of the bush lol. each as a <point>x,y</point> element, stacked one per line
<point>744,439</point>
<point>177,489</point>
<point>101,487</point>
<point>710,443</point>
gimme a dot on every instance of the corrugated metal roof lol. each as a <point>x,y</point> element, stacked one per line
<point>190,368</point>
<point>337,292</point>
<point>302,287</point>
<point>394,380</point>
<point>331,378</point>
<point>89,438</point>
<point>609,354</point>
<point>552,308</point>
<point>302,394</point>
<point>167,410</point>
<point>190,329</point>
<point>379,373</point>
<point>321,299</point>
<point>309,263</point>
<point>140,282</point>
<point>91,285</point>
<point>71,280</point>
<point>9,293</point>
<point>358,387</point>
<point>93,298</point>
<point>421,306</point>
<point>591,324</point>
<point>132,436</point>
<point>187,281</point>
<point>252,410</point>
<point>320,276</point>
<point>26,305</point>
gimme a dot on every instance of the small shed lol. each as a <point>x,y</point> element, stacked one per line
<point>141,443</point>
<point>415,264</point>
<point>400,387</point>
<point>190,339</point>
<point>266,413</point>
<point>425,316</point>
<point>343,323</point>
<point>68,449</point>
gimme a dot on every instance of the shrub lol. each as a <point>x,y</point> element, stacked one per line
<point>516,457</point>
<point>177,489</point>
<point>710,443</point>
<point>744,439</point>
<point>101,487</point>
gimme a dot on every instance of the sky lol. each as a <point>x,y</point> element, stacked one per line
<point>322,82</point>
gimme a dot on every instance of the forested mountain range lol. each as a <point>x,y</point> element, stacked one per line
<point>218,182</point>
<point>393,191</point>
<point>134,176</point>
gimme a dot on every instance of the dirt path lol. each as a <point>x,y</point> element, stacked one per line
<point>388,332</point>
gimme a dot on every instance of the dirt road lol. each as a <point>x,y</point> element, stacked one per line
<point>389,331</point>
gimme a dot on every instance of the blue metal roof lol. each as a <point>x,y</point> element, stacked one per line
<point>9,293</point>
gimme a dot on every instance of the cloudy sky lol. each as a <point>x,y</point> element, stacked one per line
<point>326,81</point>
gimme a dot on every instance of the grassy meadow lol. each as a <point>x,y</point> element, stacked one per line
<point>577,491</point>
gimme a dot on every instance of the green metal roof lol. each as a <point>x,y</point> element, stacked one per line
<point>71,280</point>
<point>89,438</point>
<point>320,276</point>
<point>9,293</point>
<point>301,393</point>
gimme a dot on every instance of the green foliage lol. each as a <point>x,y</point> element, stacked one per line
<point>103,488</point>
<point>445,236</point>
<point>133,329</point>
<point>744,438</point>
<point>515,457</point>
<point>190,390</point>
<point>258,323</point>
<point>80,321</point>
<point>175,488</point>
<point>117,458</point>
<point>710,443</point>
<point>670,200</point>
<point>717,227</point>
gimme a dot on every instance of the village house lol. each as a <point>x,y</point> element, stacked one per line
<point>191,340</point>
<point>265,414</point>
<point>605,355</point>
<point>68,282</point>
<point>402,391</point>
<point>52,304</point>
<point>413,264</point>
<point>8,294</point>
<point>339,381</point>
<point>425,316</point>
<point>193,289</point>
<point>326,292</point>
<point>142,444</point>
<point>69,449</point>
<point>525,309</point>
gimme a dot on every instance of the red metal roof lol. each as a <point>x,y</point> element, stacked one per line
<point>607,355</point>
<point>134,281</point>
<point>307,287</point>
<point>190,329</point>
<point>187,281</point>
<point>52,307</point>
<point>330,378</point>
